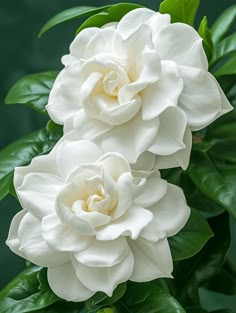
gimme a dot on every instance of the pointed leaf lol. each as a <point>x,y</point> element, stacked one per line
<point>228,68</point>
<point>205,33</point>
<point>224,48</point>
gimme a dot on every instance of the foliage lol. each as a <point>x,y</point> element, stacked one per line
<point>200,248</point>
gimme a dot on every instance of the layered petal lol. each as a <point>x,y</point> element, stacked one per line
<point>103,253</point>
<point>169,139</point>
<point>129,224</point>
<point>151,260</point>
<point>164,93</point>
<point>43,187</point>
<point>34,247</point>
<point>64,283</point>
<point>106,278</point>
<point>131,138</point>
<point>180,43</point>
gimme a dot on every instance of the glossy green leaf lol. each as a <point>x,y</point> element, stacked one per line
<point>25,294</point>
<point>224,48</point>
<point>183,11</point>
<point>63,307</point>
<point>206,176</point>
<point>224,22</point>
<point>32,90</point>
<point>70,14</point>
<point>111,14</point>
<point>5,185</point>
<point>228,68</point>
<point>150,298</point>
<point>190,239</point>
<point>223,311</point>
<point>100,300</point>
<point>205,33</point>
<point>195,310</point>
<point>22,151</point>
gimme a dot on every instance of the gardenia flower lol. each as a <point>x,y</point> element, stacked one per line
<point>92,222</point>
<point>138,85</point>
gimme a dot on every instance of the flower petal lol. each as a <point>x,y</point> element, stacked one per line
<point>179,158</point>
<point>104,253</point>
<point>105,279</point>
<point>173,204</point>
<point>34,246</point>
<point>200,99</point>
<point>129,224</point>
<point>38,193</point>
<point>169,139</point>
<point>144,163</point>
<point>62,237</point>
<point>13,241</point>
<point>153,190</point>
<point>180,43</point>
<point>139,17</point>
<point>66,285</point>
<point>70,155</point>
<point>129,139</point>
<point>151,260</point>
<point>164,93</point>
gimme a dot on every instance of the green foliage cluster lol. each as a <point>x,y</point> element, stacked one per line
<point>200,249</point>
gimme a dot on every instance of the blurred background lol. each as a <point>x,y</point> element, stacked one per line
<point>23,53</point>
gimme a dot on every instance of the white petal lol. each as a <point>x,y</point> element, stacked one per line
<point>151,260</point>
<point>63,100</point>
<point>171,212</point>
<point>114,164</point>
<point>153,190</point>
<point>169,139</point>
<point>124,195</point>
<point>104,253</point>
<point>34,246</point>
<point>179,158</point>
<point>164,93</point>
<point>131,138</point>
<point>70,155</point>
<point>38,193</point>
<point>140,16</point>
<point>64,211</point>
<point>145,163</point>
<point>13,241</point>
<point>105,279</point>
<point>78,48</point>
<point>85,127</point>
<point>129,224</point>
<point>62,237</point>
<point>200,99</point>
<point>64,283</point>
<point>180,43</point>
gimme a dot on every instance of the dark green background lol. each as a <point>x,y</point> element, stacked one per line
<point>21,53</point>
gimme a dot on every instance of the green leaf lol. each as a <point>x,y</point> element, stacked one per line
<point>190,239</point>
<point>100,300</point>
<point>206,176</point>
<point>228,68</point>
<point>224,22</point>
<point>195,310</point>
<point>32,90</point>
<point>183,11</point>
<point>225,281</point>
<point>205,33</point>
<point>111,14</point>
<point>63,307</point>
<point>223,311</point>
<point>150,298</point>
<point>24,293</point>
<point>5,186</point>
<point>70,14</point>
<point>225,48</point>
<point>23,150</point>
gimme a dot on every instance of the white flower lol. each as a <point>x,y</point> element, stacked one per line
<point>93,222</point>
<point>140,85</point>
